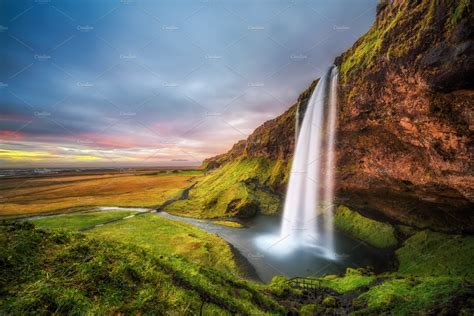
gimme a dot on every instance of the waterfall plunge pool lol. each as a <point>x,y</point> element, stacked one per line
<point>260,244</point>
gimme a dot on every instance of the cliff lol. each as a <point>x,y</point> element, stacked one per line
<point>405,115</point>
<point>405,125</point>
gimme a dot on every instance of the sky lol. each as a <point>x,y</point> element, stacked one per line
<point>157,83</point>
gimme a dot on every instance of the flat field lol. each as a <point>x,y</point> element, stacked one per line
<point>73,191</point>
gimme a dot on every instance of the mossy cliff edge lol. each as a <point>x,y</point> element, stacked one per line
<point>405,128</point>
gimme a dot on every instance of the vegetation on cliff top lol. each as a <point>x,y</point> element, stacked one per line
<point>399,32</point>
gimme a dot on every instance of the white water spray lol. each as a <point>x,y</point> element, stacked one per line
<point>310,191</point>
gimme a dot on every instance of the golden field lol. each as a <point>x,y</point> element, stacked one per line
<point>73,191</point>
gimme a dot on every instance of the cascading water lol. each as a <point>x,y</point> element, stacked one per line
<point>310,191</point>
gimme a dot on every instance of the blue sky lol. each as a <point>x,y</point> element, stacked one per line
<point>153,83</point>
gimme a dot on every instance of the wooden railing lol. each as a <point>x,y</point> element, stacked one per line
<point>304,283</point>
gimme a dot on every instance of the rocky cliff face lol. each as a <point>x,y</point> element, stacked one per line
<point>405,118</point>
<point>406,115</point>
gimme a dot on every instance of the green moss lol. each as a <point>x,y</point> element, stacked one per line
<point>362,55</point>
<point>308,310</point>
<point>228,224</point>
<point>74,222</point>
<point>279,285</point>
<point>410,296</point>
<point>430,253</point>
<point>462,6</point>
<point>64,273</point>
<point>239,188</point>
<point>351,280</point>
<point>329,301</point>
<point>394,36</point>
<point>378,234</point>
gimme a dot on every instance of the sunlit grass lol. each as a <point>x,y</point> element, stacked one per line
<point>60,273</point>
<point>160,235</point>
<point>228,224</point>
<point>79,221</point>
<point>31,196</point>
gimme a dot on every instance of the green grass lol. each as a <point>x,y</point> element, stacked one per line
<point>460,9</point>
<point>235,189</point>
<point>228,224</point>
<point>351,280</point>
<point>57,272</point>
<point>160,235</point>
<point>74,222</point>
<point>378,234</point>
<point>411,296</point>
<point>430,253</point>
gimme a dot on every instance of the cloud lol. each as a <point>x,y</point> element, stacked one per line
<point>158,83</point>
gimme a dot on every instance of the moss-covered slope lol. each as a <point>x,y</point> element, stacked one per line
<point>377,234</point>
<point>46,273</point>
<point>241,187</point>
<point>434,276</point>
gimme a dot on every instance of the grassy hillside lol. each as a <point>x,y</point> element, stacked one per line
<point>155,234</point>
<point>68,273</point>
<point>160,235</point>
<point>239,188</point>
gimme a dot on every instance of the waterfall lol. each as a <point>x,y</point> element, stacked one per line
<point>310,191</point>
